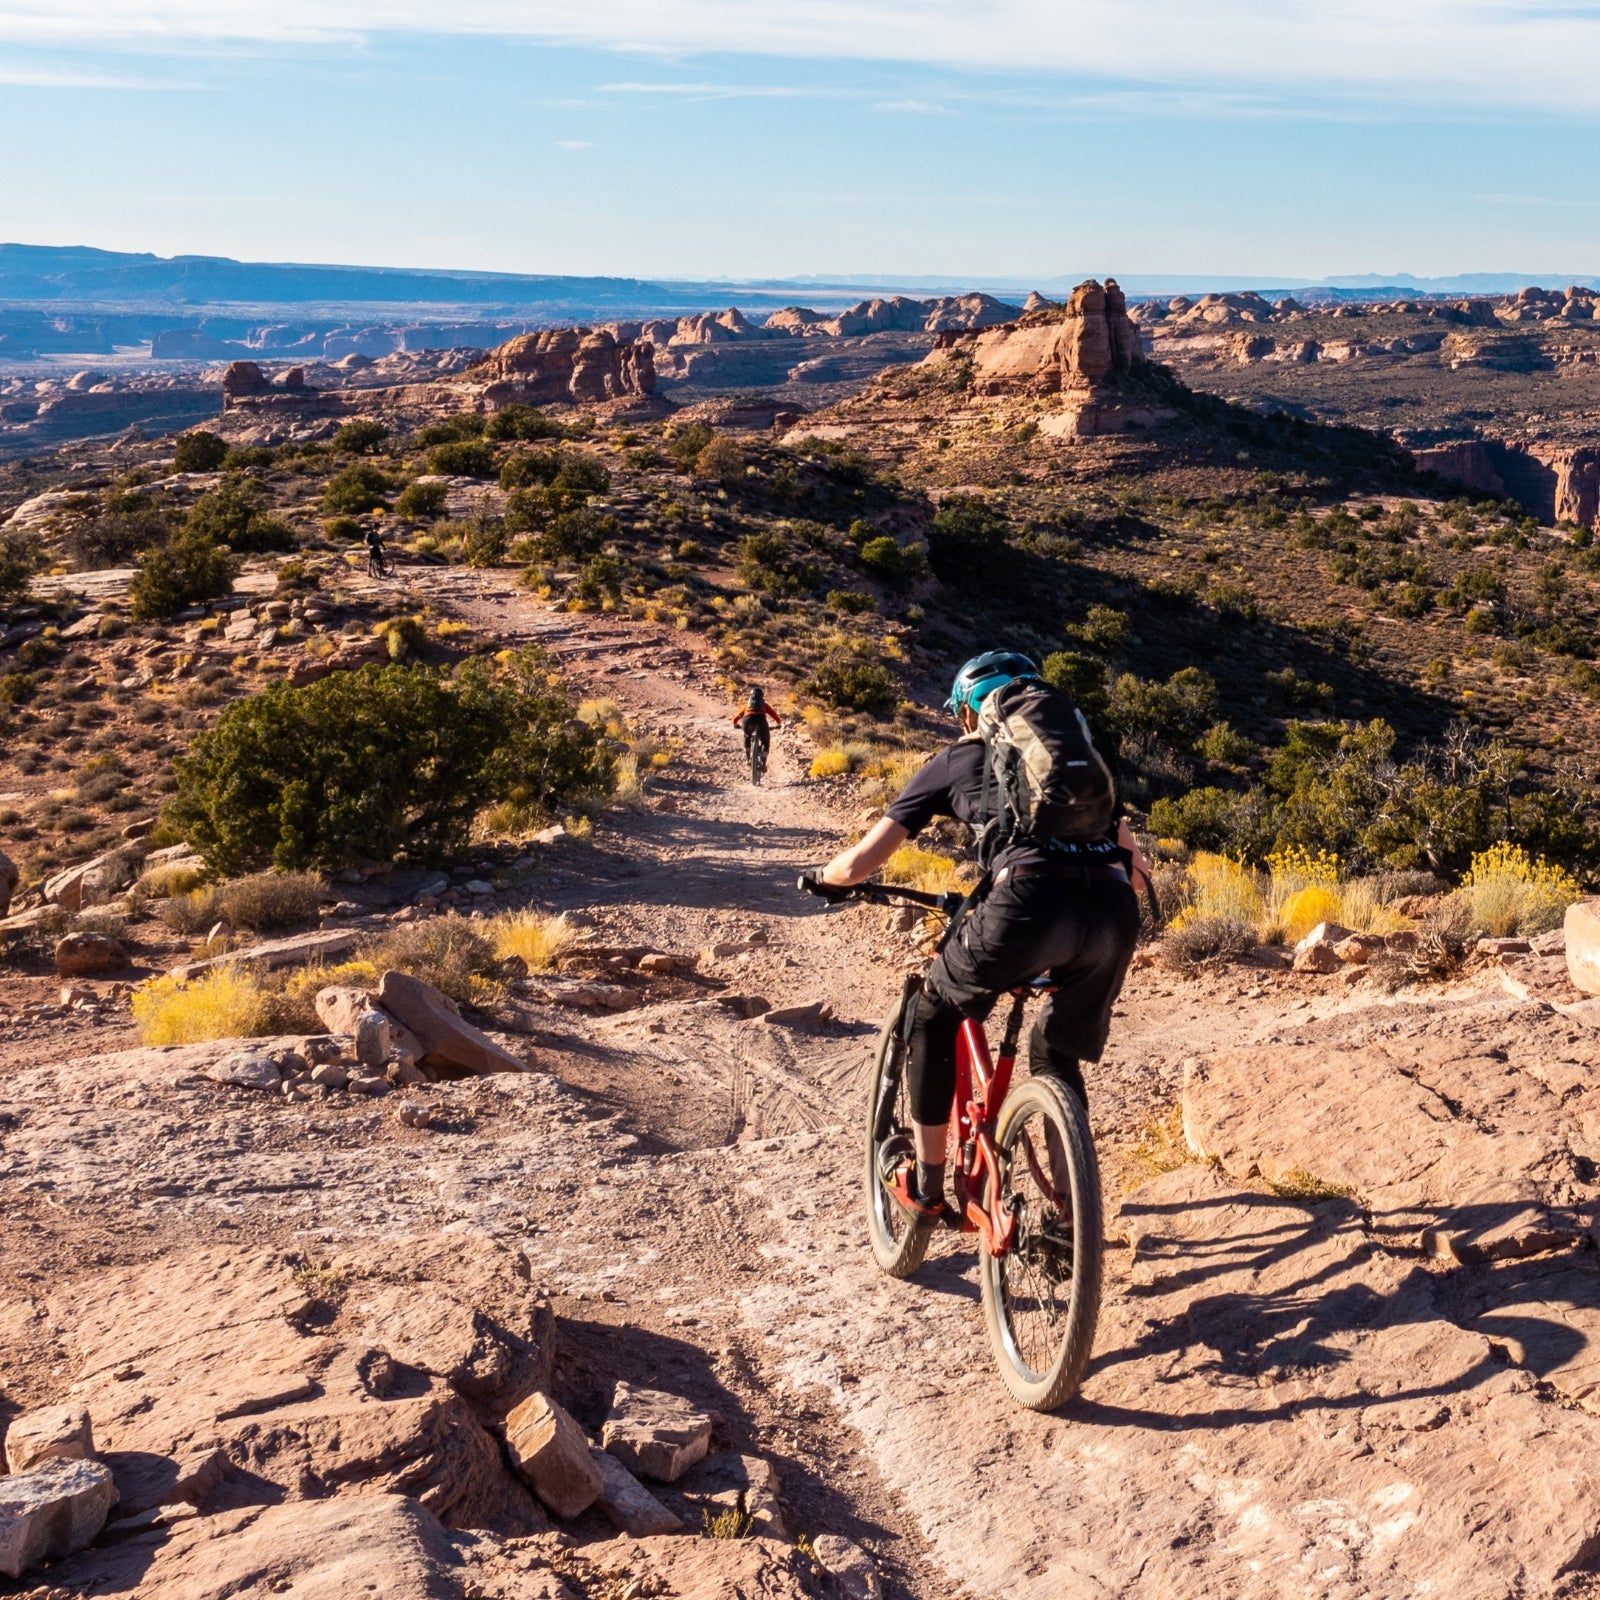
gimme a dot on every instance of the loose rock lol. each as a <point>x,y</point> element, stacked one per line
<point>248,1069</point>
<point>51,1512</point>
<point>444,1039</point>
<point>655,1434</point>
<point>630,1506</point>
<point>550,1452</point>
<point>849,1565</point>
<point>52,1433</point>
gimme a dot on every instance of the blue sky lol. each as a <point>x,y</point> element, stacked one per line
<point>742,138</point>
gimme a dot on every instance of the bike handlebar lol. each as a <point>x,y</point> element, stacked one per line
<point>883,894</point>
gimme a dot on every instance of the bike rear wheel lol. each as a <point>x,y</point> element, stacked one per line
<point>897,1245</point>
<point>758,762</point>
<point>1041,1299</point>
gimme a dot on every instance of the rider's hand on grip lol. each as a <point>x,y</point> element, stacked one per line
<point>811,882</point>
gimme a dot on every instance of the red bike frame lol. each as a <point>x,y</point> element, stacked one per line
<point>981,1088</point>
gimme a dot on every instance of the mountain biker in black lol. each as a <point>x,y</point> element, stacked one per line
<point>1065,910</point>
<point>752,721</point>
<point>377,561</point>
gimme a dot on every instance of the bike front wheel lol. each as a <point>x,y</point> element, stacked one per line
<point>897,1245</point>
<point>1041,1299</point>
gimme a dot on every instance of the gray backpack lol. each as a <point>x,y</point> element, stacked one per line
<point>1043,778</point>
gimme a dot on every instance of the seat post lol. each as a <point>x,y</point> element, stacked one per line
<point>1013,1036</point>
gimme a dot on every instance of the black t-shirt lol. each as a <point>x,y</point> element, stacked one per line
<point>951,785</point>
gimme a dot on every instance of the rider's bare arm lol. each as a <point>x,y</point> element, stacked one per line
<point>861,860</point>
<point>1126,840</point>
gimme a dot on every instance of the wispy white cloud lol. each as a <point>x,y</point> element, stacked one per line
<point>715,91</point>
<point>1475,53</point>
<point>24,77</point>
<point>574,144</point>
<point>924,108</point>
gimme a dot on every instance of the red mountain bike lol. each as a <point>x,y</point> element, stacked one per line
<point>1026,1182</point>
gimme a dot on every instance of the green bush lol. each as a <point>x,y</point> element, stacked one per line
<point>486,542</point>
<point>379,764</point>
<point>685,445</point>
<point>464,458</point>
<point>721,461</point>
<point>529,469</point>
<point>422,500</point>
<point>853,679</point>
<point>1104,630</point>
<point>574,535</point>
<point>464,425</point>
<point>20,558</point>
<point>342,528</point>
<point>198,451</point>
<point>766,562</point>
<point>850,601</point>
<point>129,526</point>
<point>362,486</point>
<point>886,559</point>
<point>518,421</point>
<point>967,546</point>
<point>232,515</point>
<point>359,437</point>
<point>188,569</point>
<point>600,576</point>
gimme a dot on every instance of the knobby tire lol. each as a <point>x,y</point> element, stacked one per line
<point>1041,1300</point>
<point>897,1245</point>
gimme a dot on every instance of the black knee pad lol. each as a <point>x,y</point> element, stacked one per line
<point>931,1057</point>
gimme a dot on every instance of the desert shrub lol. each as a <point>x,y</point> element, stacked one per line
<point>198,451</point>
<point>129,526</point>
<point>168,879</point>
<point>537,939</point>
<point>517,421</point>
<point>465,425</point>
<point>851,677</point>
<point>599,577</point>
<point>528,469</point>
<point>188,569</point>
<point>925,870</point>
<point>850,601</point>
<point>1305,908</point>
<point>851,756</point>
<point>722,461</point>
<point>685,445</point>
<point>403,637</point>
<point>767,562</point>
<point>225,1003</point>
<point>358,437</point>
<point>1510,893</point>
<point>451,953</point>
<point>464,458</point>
<point>266,900</point>
<point>1220,889</point>
<point>967,545</point>
<point>20,558</point>
<point>190,911</point>
<point>362,486</point>
<point>486,541</point>
<point>380,763</point>
<point>892,562</point>
<point>575,534</point>
<point>422,500</point>
<point>232,515</point>
<point>17,688</point>
<point>582,473</point>
<point>342,528</point>
<point>1104,630</point>
<point>1207,941</point>
<point>1084,678</point>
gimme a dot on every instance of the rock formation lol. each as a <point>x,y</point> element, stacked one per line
<point>571,364</point>
<point>1088,352</point>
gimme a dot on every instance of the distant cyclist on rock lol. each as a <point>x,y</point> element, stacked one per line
<point>1056,895</point>
<point>752,722</point>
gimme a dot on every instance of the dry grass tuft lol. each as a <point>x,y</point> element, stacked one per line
<point>1200,942</point>
<point>222,1004</point>
<point>1161,1148</point>
<point>538,939</point>
<point>925,870</point>
<point>1306,1187</point>
<point>451,953</point>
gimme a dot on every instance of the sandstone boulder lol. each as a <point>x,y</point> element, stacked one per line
<point>52,1511</point>
<point>655,1434</point>
<point>52,1433</point>
<point>245,1069</point>
<point>90,882</point>
<point>300,950</point>
<point>552,1455</point>
<point>849,1566</point>
<point>1582,929</point>
<point>87,955</point>
<point>446,1041</point>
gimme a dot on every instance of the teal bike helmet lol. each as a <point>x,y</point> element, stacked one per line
<point>982,675</point>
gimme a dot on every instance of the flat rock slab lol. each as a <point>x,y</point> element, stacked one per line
<point>218,1350</point>
<point>446,1040</point>
<point>51,1512</point>
<point>655,1434</point>
<point>1284,1402</point>
<point>244,1069</point>
<point>703,1569</point>
<point>303,950</point>
<point>1449,1147</point>
<point>379,1545</point>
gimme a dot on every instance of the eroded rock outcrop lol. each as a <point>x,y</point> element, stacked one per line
<point>569,364</point>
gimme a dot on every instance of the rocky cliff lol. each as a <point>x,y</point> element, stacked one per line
<point>569,364</point>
